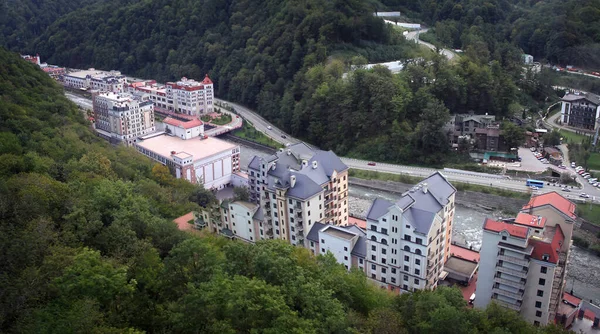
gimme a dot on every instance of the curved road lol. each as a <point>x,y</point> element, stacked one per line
<point>466,177</point>
<point>414,35</point>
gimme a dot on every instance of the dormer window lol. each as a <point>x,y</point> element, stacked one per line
<point>545,257</point>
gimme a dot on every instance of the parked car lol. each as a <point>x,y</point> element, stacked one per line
<point>586,176</point>
<point>581,171</point>
<point>584,195</point>
<point>283,136</point>
<point>565,189</point>
<point>562,167</point>
<point>269,127</point>
<point>573,165</point>
<point>580,167</point>
<point>371,164</point>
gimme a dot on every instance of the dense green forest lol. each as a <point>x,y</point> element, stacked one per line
<point>87,246</point>
<point>559,31</point>
<point>22,21</point>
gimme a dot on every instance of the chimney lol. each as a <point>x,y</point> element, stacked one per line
<point>304,163</point>
<point>289,152</point>
<point>292,181</point>
<point>425,187</point>
<point>314,164</point>
<point>281,150</point>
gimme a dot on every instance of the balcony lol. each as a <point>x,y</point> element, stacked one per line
<point>517,273</point>
<point>518,296</point>
<point>508,305</point>
<point>515,260</point>
<point>300,228</point>
<point>269,232</point>
<point>514,284</point>
<point>329,200</point>
<point>328,191</point>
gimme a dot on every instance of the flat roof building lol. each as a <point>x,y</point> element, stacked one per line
<point>208,161</point>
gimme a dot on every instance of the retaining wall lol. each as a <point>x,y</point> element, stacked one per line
<point>250,143</point>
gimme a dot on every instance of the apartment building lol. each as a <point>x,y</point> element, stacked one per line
<point>298,187</point>
<point>123,117</point>
<point>408,241</point>
<point>524,261</point>
<point>348,244</point>
<point>103,81</point>
<point>580,110</point>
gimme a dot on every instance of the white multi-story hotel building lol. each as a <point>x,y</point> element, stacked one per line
<point>298,187</point>
<point>185,96</point>
<point>524,262</point>
<point>104,81</point>
<point>407,243</point>
<point>122,116</point>
<point>190,97</point>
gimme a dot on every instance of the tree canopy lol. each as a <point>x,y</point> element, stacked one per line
<point>87,244</point>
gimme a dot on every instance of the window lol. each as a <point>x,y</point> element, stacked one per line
<point>538,313</point>
<point>407,248</point>
<point>383,241</point>
<point>538,304</point>
<point>419,241</point>
<point>416,281</point>
<point>393,270</point>
<point>542,281</point>
<point>418,251</point>
<point>373,248</point>
<point>540,293</point>
<point>373,238</point>
<point>407,237</point>
<point>536,323</point>
<point>384,230</point>
<point>406,258</point>
<point>417,261</point>
<point>383,260</point>
<point>383,270</point>
<point>373,228</point>
<point>373,276</point>
<point>373,267</point>
<point>373,257</point>
<point>346,258</point>
<point>360,261</point>
<point>503,237</point>
<point>406,268</point>
<point>323,250</point>
<point>406,279</point>
<point>383,251</point>
<point>543,270</point>
<point>393,281</point>
<point>322,241</point>
<point>417,272</point>
<point>345,249</point>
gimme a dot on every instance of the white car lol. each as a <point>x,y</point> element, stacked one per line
<point>586,177</point>
<point>269,127</point>
<point>573,165</point>
<point>584,195</point>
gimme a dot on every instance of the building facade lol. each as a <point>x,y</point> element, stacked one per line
<point>190,97</point>
<point>124,117</point>
<point>524,261</point>
<point>298,187</point>
<point>409,241</point>
<point>580,110</point>
<point>103,81</point>
<point>204,160</point>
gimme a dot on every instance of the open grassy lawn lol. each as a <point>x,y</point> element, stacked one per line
<point>591,213</point>
<point>572,137</point>
<point>250,133</point>
<point>594,161</point>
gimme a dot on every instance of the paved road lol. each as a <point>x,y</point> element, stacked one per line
<point>79,100</point>
<point>466,177</point>
<point>414,35</point>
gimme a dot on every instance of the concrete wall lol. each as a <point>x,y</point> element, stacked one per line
<point>465,198</point>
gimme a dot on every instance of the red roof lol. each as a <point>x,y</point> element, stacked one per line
<point>358,222</point>
<point>571,299</point>
<point>207,80</point>
<point>555,200</point>
<point>541,248</point>
<point>182,124</point>
<point>530,220</point>
<point>513,230</point>
<point>464,253</point>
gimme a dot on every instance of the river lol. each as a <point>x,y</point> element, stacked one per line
<point>583,270</point>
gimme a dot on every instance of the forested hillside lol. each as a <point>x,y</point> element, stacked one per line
<point>87,246</point>
<point>22,21</point>
<point>562,32</point>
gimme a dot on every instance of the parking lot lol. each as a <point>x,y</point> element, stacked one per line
<point>528,163</point>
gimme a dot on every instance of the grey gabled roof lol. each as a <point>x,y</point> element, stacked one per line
<point>404,202</point>
<point>313,234</point>
<point>439,186</point>
<point>378,208</point>
<point>255,163</point>
<point>329,161</point>
<point>259,215</point>
<point>420,220</point>
<point>304,188</point>
<point>360,248</point>
<point>318,175</point>
<point>355,229</point>
<point>570,97</point>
